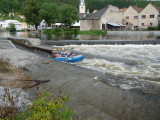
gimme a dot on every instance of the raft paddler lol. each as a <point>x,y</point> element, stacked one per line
<point>55,53</point>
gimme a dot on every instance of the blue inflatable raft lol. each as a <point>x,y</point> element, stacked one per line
<point>70,59</point>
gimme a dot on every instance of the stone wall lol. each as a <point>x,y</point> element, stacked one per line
<point>28,42</point>
<point>87,25</point>
<point>112,15</point>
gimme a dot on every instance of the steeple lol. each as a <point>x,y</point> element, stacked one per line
<point>82,2</point>
<point>82,7</point>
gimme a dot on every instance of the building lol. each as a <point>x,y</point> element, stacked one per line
<point>21,16</point>
<point>108,18</point>
<point>82,7</point>
<point>44,25</point>
<point>149,16</point>
<point>7,23</point>
<point>131,17</point>
<point>11,14</point>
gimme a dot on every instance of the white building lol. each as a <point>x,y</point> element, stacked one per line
<point>7,23</point>
<point>44,25</point>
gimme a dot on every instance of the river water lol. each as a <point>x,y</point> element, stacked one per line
<point>128,67</point>
<point>76,37</point>
<point>136,66</point>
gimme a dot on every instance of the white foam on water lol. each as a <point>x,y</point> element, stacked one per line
<point>147,58</point>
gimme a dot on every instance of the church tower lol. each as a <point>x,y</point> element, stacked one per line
<point>82,7</point>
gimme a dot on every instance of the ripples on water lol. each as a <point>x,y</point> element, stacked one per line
<point>145,73</point>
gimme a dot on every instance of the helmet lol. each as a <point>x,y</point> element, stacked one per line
<point>59,49</point>
<point>54,48</point>
<point>62,48</point>
<point>65,52</point>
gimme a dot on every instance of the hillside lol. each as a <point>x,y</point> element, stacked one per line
<point>7,6</point>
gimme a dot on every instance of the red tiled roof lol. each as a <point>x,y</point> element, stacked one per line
<point>123,10</point>
<point>156,7</point>
<point>137,8</point>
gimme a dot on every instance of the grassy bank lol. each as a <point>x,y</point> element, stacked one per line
<point>4,66</point>
<point>93,32</point>
<point>75,31</point>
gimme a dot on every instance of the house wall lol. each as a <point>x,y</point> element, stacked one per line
<point>130,12</point>
<point>43,25</point>
<point>86,25</point>
<point>149,10</point>
<point>112,15</point>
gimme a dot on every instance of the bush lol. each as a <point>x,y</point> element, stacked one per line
<point>53,31</point>
<point>152,28</point>
<point>57,30</point>
<point>47,107</point>
<point>4,66</point>
<point>12,28</point>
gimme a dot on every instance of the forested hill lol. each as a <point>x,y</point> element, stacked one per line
<point>7,6</point>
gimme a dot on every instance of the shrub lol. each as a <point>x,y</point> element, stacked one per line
<point>152,28</point>
<point>4,66</point>
<point>47,107</point>
<point>12,28</point>
<point>57,30</point>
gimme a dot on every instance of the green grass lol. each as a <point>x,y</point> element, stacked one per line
<point>4,66</point>
<point>93,32</point>
<point>75,31</point>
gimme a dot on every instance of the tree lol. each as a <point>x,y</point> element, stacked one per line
<point>12,28</point>
<point>159,25</point>
<point>31,12</point>
<point>49,12</point>
<point>69,14</point>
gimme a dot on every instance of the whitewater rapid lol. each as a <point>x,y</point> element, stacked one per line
<point>144,72</point>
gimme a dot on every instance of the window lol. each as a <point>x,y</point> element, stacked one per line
<point>135,17</point>
<point>158,15</point>
<point>126,23</point>
<point>151,24</point>
<point>127,17</point>
<point>151,16</point>
<point>142,24</point>
<point>143,16</point>
<point>42,26</point>
<point>135,27</point>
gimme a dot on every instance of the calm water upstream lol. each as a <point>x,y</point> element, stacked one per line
<point>134,69</point>
<point>75,37</point>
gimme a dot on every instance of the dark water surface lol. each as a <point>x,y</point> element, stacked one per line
<point>75,37</point>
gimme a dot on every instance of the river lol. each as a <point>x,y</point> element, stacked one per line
<point>77,37</point>
<point>131,74</point>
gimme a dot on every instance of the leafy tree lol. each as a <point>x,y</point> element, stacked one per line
<point>12,28</point>
<point>31,12</point>
<point>159,25</point>
<point>69,14</point>
<point>49,12</point>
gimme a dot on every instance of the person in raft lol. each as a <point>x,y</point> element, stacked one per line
<point>71,53</point>
<point>62,51</point>
<point>55,53</point>
<point>59,51</point>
